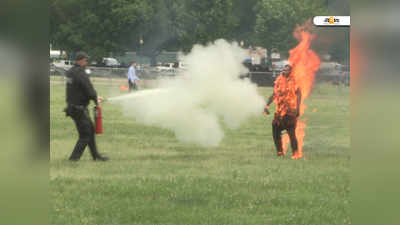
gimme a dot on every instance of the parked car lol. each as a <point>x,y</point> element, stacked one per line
<point>106,62</point>
<point>111,62</point>
<point>165,67</point>
<point>278,66</point>
<point>63,64</point>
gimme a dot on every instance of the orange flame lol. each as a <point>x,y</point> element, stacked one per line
<point>123,88</point>
<point>305,62</point>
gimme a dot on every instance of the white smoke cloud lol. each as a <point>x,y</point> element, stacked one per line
<point>208,93</point>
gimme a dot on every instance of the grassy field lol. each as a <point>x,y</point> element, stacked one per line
<point>152,179</point>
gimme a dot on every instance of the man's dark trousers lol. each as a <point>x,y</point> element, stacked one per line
<point>132,85</point>
<point>86,131</point>
<point>286,123</point>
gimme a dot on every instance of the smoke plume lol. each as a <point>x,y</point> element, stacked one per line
<point>197,104</point>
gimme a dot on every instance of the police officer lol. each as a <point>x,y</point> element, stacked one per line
<point>79,91</point>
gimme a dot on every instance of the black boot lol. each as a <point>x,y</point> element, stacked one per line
<point>101,158</point>
<point>73,159</point>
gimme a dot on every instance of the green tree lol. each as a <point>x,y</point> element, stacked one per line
<point>276,20</point>
<point>205,21</point>
<point>244,13</point>
<point>160,33</point>
<point>98,27</point>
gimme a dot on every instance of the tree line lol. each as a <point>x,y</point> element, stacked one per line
<point>105,27</point>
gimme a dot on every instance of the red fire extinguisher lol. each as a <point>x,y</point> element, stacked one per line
<point>98,119</point>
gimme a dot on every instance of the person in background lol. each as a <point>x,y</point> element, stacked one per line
<point>132,78</point>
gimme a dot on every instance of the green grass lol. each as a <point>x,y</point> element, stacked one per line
<point>153,179</point>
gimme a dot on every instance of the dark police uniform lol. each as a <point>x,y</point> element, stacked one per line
<point>79,91</point>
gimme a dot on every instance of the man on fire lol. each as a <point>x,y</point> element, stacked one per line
<point>287,98</point>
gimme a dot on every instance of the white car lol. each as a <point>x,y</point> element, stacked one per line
<point>278,66</point>
<point>166,67</point>
<point>63,64</point>
<point>111,62</point>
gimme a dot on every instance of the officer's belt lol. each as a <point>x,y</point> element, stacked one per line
<point>79,107</point>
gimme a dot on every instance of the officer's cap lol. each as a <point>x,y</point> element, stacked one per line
<point>81,55</point>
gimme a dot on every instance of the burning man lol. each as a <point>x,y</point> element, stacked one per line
<point>287,98</point>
